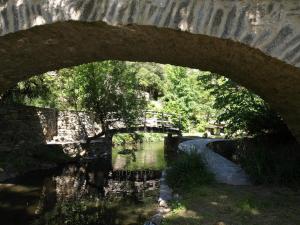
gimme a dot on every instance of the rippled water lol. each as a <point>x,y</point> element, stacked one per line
<point>121,191</point>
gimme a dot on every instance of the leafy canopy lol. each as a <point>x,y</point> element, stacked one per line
<point>110,89</point>
<point>242,110</point>
<point>185,96</point>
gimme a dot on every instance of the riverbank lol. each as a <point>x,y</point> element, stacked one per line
<point>223,204</point>
<point>21,161</point>
<point>93,192</point>
<point>220,204</point>
<point>267,159</point>
<point>46,156</point>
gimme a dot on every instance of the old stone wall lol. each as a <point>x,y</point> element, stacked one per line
<point>23,126</point>
<point>75,126</point>
<point>20,126</point>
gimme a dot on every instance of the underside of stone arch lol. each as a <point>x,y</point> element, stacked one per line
<point>255,44</point>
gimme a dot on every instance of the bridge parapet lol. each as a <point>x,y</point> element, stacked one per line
<point>150,121</point>
<point>161,120</point>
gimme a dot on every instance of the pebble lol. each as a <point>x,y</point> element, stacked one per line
<point>163,204</point>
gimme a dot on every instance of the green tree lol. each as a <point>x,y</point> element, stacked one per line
<point>110,89</point>
<point>34,91</point>
<point>186,97</point>
<point>151,78</point>
<point>242,110</point>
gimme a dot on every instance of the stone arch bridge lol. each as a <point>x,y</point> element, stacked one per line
<point>254,42</point>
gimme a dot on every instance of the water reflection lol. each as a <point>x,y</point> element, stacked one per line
<point>148,156</point>
<point>100,192</point>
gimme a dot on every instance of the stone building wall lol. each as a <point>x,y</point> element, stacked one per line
<point>23,126</point>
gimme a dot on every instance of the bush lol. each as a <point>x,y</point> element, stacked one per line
<point>277,165</point>
<point>188,170</point>
<point>122,139</point>
<point>267,159</point>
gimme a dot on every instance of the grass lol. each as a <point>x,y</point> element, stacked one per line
<point>233,205</point>
<point>188,170</point>
<point>268,159</point>
<point>203,202</point>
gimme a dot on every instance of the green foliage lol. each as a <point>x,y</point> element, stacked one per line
<point>267,159</point>
<point>199,98</point>
<point>35,91</point>
<point>151,78</point>
<point>110,89</point>
<point>271,162</point>
<point>188,170</point>
<point>122,139</point>
<point>240,109</point>
<point>151,137</point>
<point>137,137</point>
<point>185,96</point>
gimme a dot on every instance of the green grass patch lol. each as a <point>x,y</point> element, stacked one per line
<point>188,170</point>
<point>235,205</point>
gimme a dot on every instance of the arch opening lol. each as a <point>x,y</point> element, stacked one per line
<point>64,44</point>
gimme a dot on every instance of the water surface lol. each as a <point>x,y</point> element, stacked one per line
<point>119,191</point>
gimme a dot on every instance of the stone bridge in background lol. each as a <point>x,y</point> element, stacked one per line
<point>151,121</point>
<point>254,42</point>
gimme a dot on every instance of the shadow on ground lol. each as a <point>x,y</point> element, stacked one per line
<point>235,205</point>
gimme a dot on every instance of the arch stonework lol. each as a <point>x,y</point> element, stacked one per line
<point>254,42</point>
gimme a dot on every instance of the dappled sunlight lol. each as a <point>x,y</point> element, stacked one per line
<point>224,204</point>
<point>214,203</point>
<point>223,197</point>
<point>248,206</point>
<point>103,56</point>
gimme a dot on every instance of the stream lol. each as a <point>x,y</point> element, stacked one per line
<point>122,190</point>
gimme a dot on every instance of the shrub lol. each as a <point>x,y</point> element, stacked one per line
<point>267,159</point>
<point>188,170</point>
<point>277,165</point>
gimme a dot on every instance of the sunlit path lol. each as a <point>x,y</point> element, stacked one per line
<point>225,171</point>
